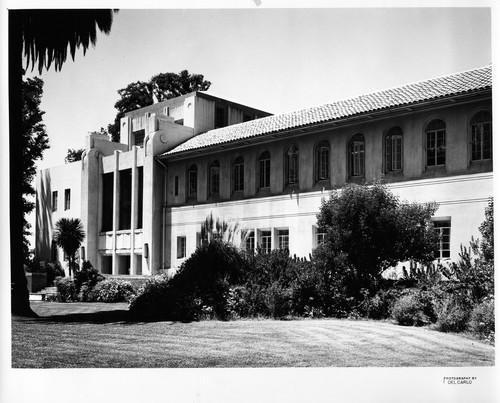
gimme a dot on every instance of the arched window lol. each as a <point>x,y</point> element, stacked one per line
<point>238,174</point>
<point>435,134</point>
<point>192,183</point>
<point>213,178</point>
<point>264,170</point>
<point>292,165</point>
<point>357,155</point>
<point>394,149</point>
<point>322,161</point>
<point>481,136</point>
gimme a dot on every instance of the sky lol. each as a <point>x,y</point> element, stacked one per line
<point>277,60</point>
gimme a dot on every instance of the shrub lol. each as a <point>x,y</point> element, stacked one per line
<point>66,289</point>
<point>408,310</point>
<point>451,315</point>
<point>110,291</point>
<point>482,319</point>
<point>87,275</point>
<point>151,299</point>
<point>53,271</point>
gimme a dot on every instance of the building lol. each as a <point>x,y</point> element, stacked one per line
<point>142,201</point>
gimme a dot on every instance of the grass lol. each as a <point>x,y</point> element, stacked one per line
<point>97,335</point>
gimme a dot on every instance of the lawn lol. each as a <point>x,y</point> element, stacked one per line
<point>95,335</point>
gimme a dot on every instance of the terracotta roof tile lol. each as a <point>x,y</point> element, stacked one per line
<point>467,81</point>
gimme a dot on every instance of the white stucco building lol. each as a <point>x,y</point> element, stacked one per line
<point>143,200</point>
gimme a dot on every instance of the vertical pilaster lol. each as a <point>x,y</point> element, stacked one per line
<point>133,210</point>
<point>116,209</point>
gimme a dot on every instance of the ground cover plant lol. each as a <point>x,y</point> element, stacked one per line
<point>99,335</point>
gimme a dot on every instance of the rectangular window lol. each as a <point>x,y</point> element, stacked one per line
<point>139,137</point>
<point>125,199</point>
<point>283,239</point>
<point>436,148</point>
<point>107,202</point>
<point>323,163</point>
<point>239,177</point>
<point>443,229</point>
<point>54,200</point>
<point>481,141</point>
<point>394,152</point>
<point>176,186</point>
<point>67,199</point>
<point>265,173</point>
<point>358,158</point>
<point>320,237</point>
<point>192,183</point>
<point>220,116</point>
<point>250,242</point>
<point>181,247</point>
<point>265,241</point>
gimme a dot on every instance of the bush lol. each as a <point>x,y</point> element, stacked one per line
<point>66,288</point>
<point>109,291</point>
<point>151,299</point>
<point>451,315</point>
<point>482,319</point>
<point>87,275</point>
<point>408,310</point>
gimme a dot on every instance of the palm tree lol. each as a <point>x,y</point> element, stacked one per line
<point>44,35</point>
<point>69,235</point>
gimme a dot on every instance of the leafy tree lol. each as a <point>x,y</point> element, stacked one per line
<point>159,88</point>
<point>74,155</point>
<point>375,231</point>
<point>34,142</point>
<point>69,235</point>
<point>43,36</point>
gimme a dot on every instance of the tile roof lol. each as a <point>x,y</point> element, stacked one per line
<point>455,84</point>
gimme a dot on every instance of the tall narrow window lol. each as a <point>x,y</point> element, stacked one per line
<point>357,156</point>
<point>322,161</point>
<point>181,247</point>
<point>443,229</point>
<point>125,199</point>
<point>264,170</point>
<point>250,242</point>
<point>238,174</point>
<point>140,202</point>
<point>176,186</point>
<point>292,165</point>
<point>220,116</point>
<point>107,201</point>
<point>481,136</point>
<point>192,184</point>
<point>54,200</point>
<point>394,149</point>
<point>283,239</point>
<point>67,199</point>
<point>265,241</point>
<point>214,178</point>
<point>436,143</point>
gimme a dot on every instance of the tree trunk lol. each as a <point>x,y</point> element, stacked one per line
<point>20,304</point>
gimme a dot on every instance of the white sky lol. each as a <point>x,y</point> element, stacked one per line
<point>277,60</point>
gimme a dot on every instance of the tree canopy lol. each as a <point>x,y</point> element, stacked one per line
<point>34,141</point>
<point>374,230</point>
<point>69,235</point>
<point>159,88</point>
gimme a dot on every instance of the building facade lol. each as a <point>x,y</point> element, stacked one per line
<point>143,200</point>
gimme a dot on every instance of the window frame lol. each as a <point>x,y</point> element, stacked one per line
<point>55,200</point>
<point>214,179</point>
<point>192,172</point>
<point>394,152</point>
<point>265,241</point>
<point>291,166</point>
<point>357,155</point>
<point>238,169</point>
<point>435,129</point>
<point>442,225</point>
<point>264,169</point>
<point>283,238</point>
<point>67,199</point>
<point>322,161</point>
<point>474,122</point>
<point>250,242</point>
<point>181,251</point>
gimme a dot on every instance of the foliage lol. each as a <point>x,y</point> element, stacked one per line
<point>452,316</point>
<point>217,229</point>
<point>75,28</point>
<point>111,290</point>
<point>87,275</point>
<point>34,141</point>
<point>159,88</point>
<point>74,155</point>
<point>67,291</point>
<point>408,310</point>
<point>482,319</point>
<point>69,235</point>
<point>150,300</point>
<point>374,230</point>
